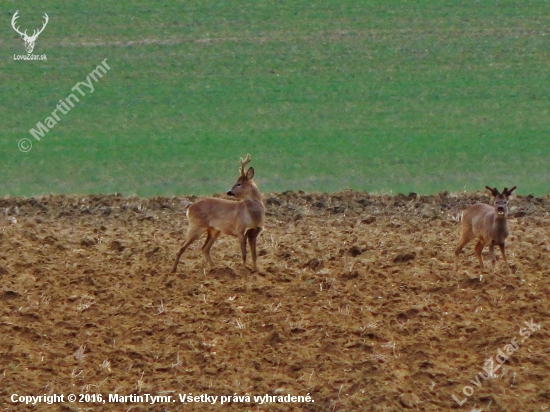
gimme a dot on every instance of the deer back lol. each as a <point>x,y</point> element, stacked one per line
<point>228,216</point>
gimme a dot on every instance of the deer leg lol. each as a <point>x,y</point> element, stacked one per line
<point>503,251</point>
<point>478,249</point>
<point>192,235</point>
<point>466,237</point>
<point>213,234</point>
<point>242,242</point>
<point>252,235</point>
<point>492,255</point>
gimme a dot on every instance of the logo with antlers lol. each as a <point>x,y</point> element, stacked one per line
<point>29,40</point>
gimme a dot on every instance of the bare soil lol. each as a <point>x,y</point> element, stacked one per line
<point>356,304</point>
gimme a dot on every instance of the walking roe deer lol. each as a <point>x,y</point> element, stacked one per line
<point>243,218</point>
<point>488,224</point>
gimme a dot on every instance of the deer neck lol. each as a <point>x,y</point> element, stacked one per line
<point>500,228</point>
<point>254,194</point>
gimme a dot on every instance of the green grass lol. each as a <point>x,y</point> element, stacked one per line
<point>403,96</point>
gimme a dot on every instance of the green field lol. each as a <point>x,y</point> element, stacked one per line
<point>379,96</point>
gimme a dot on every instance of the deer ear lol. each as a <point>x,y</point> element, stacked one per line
<point>250,173</point>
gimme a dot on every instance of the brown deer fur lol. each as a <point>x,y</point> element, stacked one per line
<point>243,218</point>
<point>488,224</point>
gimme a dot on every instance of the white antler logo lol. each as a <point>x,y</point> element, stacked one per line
<point>29,40</point>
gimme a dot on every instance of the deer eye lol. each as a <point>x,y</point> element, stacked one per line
<point>238,184</point>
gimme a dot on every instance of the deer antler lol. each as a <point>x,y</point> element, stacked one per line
<point>13,21</point>
<point>244,162</point>
<point>507,192</point>
<point>494,191</point>
<point>35,32</point>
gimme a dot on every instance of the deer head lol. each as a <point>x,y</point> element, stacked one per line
<point>501,200</point>
<point>29,40</point>
<point>245,187</point>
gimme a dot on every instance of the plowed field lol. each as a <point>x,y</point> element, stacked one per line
<point>355,303</point>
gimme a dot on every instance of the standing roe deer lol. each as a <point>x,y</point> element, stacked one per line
<point>488,224</point>
<point>243,219</point>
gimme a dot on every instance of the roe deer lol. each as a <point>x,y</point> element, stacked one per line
<point>488,224</point>
<point>243,219</point>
